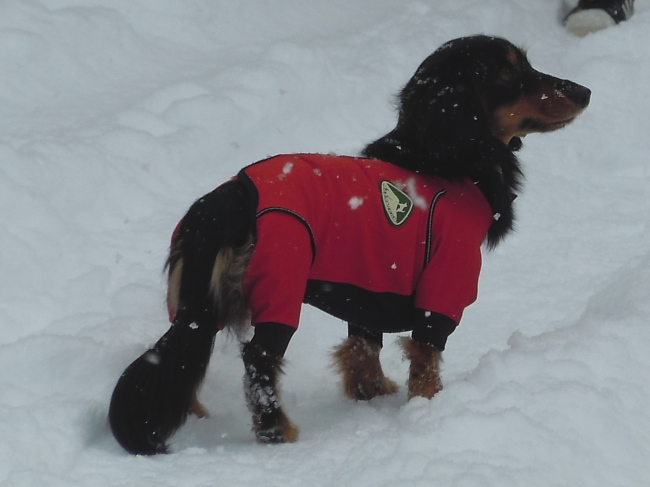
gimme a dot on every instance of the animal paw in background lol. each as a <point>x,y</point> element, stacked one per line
<point>590,16</point>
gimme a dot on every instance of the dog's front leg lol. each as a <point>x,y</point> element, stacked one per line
<point>357,360</point>
<point>424,371</point>
<point>270,423</point>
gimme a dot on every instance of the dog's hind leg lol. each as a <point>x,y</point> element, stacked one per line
<point>261,382</point>
<point>357,360</point>
<point>276,279</point>
<point>197,408</point>
<point>424,372</point>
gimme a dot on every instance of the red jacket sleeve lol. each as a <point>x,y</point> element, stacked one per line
<point>449,282</point>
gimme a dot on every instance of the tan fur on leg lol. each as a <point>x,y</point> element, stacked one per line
<point>357,360</point>
<point>198,409</point>
<point>424,372</point>
<point>227,286</point>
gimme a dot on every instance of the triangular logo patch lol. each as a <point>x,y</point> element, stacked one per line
<point>397,204</point>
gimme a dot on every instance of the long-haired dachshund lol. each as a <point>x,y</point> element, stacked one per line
<point>388,242</point>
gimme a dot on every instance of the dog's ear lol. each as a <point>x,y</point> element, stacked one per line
<point>443,114</point>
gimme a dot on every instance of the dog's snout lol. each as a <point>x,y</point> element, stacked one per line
<point>578,94</point>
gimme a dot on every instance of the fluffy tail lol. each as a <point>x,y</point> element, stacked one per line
<point>211,249</point>
<point>153,396</point>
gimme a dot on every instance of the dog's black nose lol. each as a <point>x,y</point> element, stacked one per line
<point>578,94</point>
<point>581,96</point>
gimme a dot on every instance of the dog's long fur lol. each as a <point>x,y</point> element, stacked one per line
<point>462,115</point>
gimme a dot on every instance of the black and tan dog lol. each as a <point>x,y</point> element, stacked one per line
<point>389,242</point>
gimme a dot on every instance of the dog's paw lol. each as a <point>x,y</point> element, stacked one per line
<point>357,360</point>
<point>585,22</point>
<point>364,390</point>
<point>275,427</point>
<point>424,371</point>
<point>424,384</point>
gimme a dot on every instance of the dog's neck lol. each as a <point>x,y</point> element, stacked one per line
<point>490,163</point>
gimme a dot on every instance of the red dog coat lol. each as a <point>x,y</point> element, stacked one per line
<point>364,240</point>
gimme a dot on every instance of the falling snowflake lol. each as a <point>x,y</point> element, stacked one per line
<point>152,357</point>
<point>355,202</point>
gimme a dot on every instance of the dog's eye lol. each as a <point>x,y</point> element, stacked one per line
<point>506,76</point>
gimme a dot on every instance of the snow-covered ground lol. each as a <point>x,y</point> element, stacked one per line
<point>116,114</point>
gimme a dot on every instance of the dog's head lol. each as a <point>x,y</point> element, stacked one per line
<point>517,99</point>
<point>480,86</point>
<point>464,111</point>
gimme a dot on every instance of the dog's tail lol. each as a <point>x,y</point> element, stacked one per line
<point>208,258</point>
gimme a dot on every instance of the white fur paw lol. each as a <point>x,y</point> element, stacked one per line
<point>585,22</point>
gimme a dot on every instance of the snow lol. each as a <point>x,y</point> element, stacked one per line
<point>116,115</point>
<point>355,202</point>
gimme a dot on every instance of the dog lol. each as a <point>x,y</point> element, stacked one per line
<point>389,241</point>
